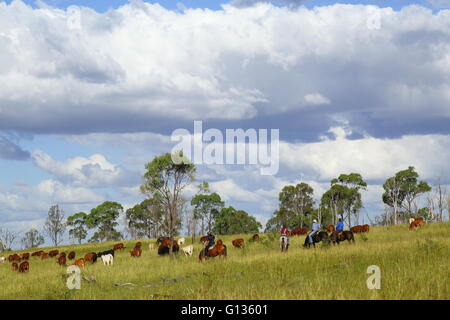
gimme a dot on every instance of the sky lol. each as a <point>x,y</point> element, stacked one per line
<point>92,90</point>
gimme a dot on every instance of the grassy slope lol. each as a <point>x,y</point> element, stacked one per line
<point>414,265</point>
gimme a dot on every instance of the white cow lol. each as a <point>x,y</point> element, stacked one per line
<point>181,241</point>
<point>2,259</point>
<point>188,250</point>
<point>108,259</point>
<point>151,246</point>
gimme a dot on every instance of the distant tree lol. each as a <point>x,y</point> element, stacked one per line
<point>334,200</point>
<point>164,180</point>
<point>78,230</point>
<point>104,217</point>
<point>401,190</point>
<point>232,221</point>
<point>55,225</point>
<point>7,239</point>
<point>205,206</point>
<point>146,218</point>
<point>32,239</point>
<point>352,184</point>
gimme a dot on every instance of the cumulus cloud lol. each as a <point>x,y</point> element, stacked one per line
<point>95,171</point>
<point>145,68</point>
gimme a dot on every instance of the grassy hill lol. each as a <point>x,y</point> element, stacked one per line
<point>414,265</point>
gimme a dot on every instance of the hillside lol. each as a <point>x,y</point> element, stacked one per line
<point>414,265</point>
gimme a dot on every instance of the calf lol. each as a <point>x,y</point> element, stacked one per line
<point>238,243</point>
<point>37,253</point>
<point>2,259</point>
<point>61,260</point>
<point>151,247</point>
<point>53,253</point>
<point>108,259</point>
<point>71,255</point>
<point>138,245</point>
<point>91,256</point>
<point>118,246</point>
<point>44,255</point>
<point>136,253</point>
<point>79,263</point>
<point>14,266</point>
<point>188,250</point>
<point>24,266</point>
<point>164,247</point>
<point>181,241</point>
<point>255,237</point>
<point>25,256</point>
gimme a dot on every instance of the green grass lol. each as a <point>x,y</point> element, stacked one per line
<point>414,265</point>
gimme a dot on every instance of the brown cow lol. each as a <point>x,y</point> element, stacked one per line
<point>24,266</point>
<point>53,253</point>
<point>91,256</point>
<point>37,253</point>
<point>161,239</point>
<point>238,243</point>
<point>14,266</point>
<point>11,258</point>
<point>298,231</point>
<point>118,246</point>
<point>44,255</point>
<point>330,228</point>
<point>356,229</point>
<point>136,253</point>
<point>25,256</point>
<point>138,245</point>
<point>79,263</point>
<point>14,257</point>
<point>255,237</point>
<point>71,255</point>
<point>61,260</point>
<point>164,247</point>
<point>365,228</point>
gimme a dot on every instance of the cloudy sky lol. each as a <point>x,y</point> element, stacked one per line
<point>92,90</point>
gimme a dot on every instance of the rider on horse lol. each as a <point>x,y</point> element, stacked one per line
<point>314,229</point>
<point>211,243</point>
<point>340,226</point>
<point>285,232</point>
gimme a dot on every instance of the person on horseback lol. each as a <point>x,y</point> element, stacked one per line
<point>314,229</point>
<point>211,243</point>
<point>340,225</point>
<point>285,233</point>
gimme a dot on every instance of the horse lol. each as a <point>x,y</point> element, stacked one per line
<point>319,236</point>
<point>284,243</point>
<point>339,236</point>
<point>219,250</point>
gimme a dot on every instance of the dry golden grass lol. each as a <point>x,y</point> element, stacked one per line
<point>414,265</point>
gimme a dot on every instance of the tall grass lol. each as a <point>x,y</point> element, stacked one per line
<point>414,265</point>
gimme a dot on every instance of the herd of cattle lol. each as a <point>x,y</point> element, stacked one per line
<point>20,263</point>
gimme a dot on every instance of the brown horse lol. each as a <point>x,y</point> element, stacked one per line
<point>219,250</point>
<point>339,236</point>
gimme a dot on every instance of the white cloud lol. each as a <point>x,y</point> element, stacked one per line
<point>95,171</point>
<point>141,63</point>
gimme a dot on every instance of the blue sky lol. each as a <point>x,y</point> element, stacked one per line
<point>88,98</point>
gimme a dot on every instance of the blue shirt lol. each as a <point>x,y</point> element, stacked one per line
<point>340,226</point>
<point>315,226</point>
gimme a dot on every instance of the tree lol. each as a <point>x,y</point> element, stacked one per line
<point>145,218</point>
<point>351,184</point>
<point>232,221</point>
<point>104,217</point>
<point>402,189</point>
<point>164,180</point>
<point>333,200</point>
<point>296,202</point>
<point>79,227</point>
<point>32,239</point>
<point>55,226</point>
<point>7,239</point>
<point>206,205</point>
<point>440,195</point>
